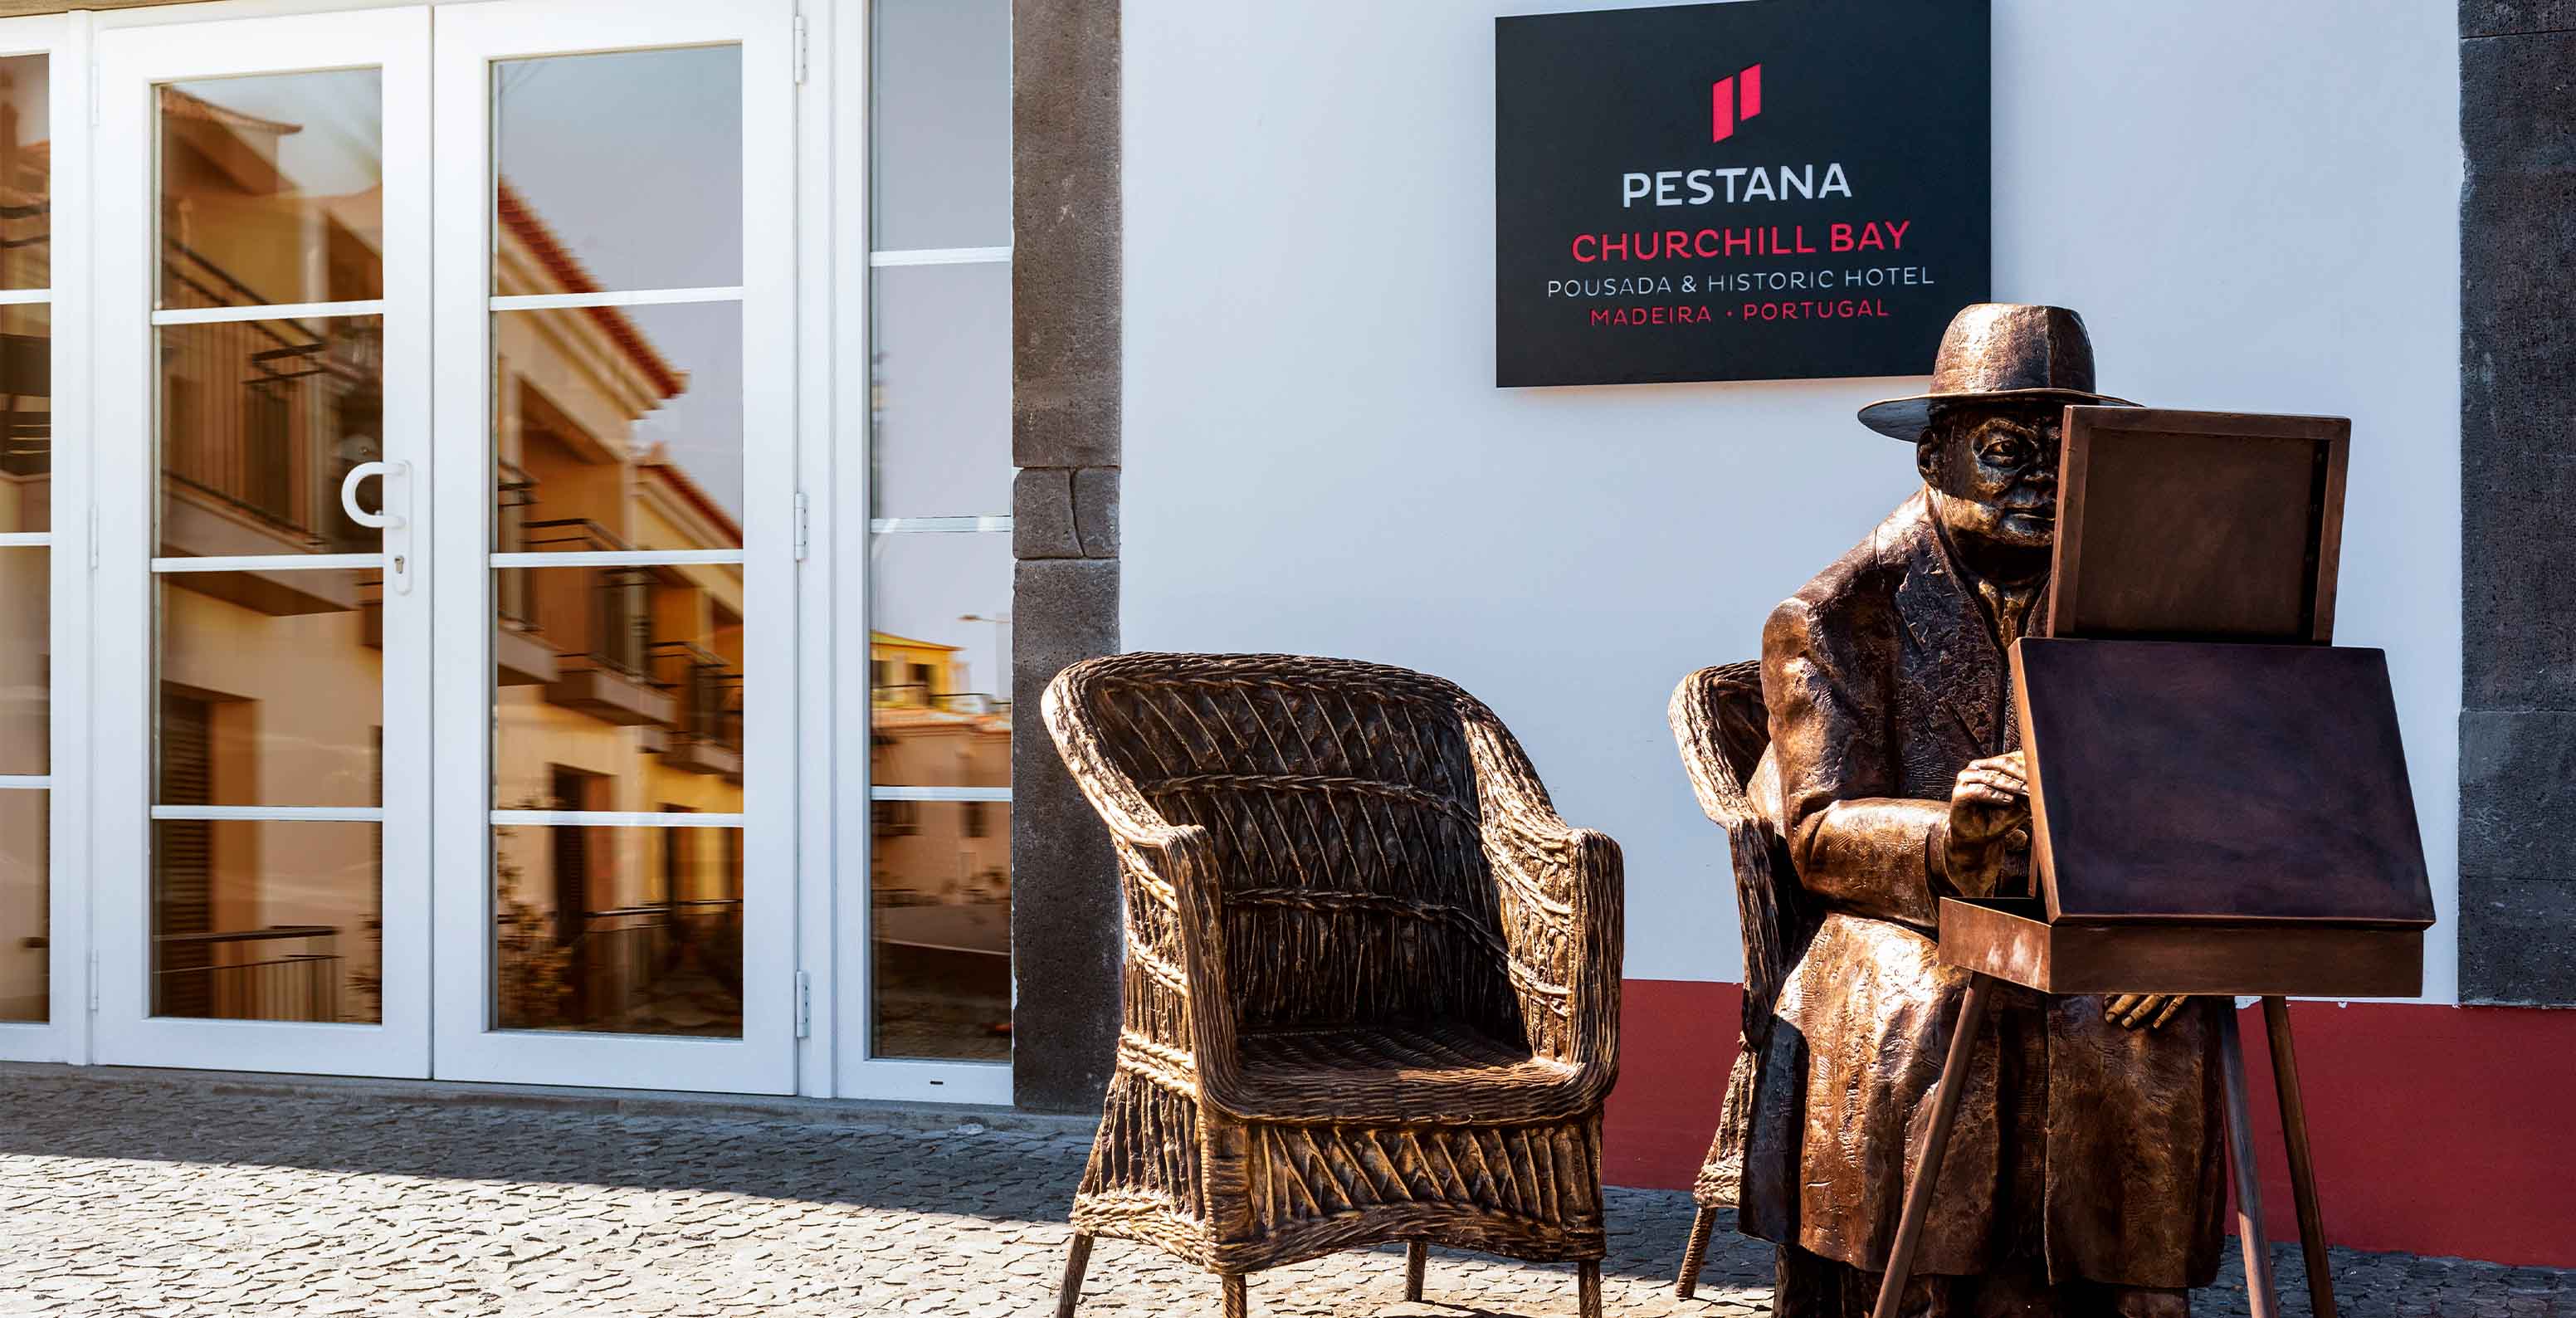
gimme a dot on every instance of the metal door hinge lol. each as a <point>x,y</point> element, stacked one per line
<point>804,1004</point>
<point>799,43</point>
<point>93,981</point>
<point>804,526</point>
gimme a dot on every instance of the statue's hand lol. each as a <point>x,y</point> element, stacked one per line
<point>1989,803</point>
<point>2142,1011</point>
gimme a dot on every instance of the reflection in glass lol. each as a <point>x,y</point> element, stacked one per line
<point>941,144</point>
<point>618,428</point>
<point>939,923</point>
<point>260,422</point>
<point>619,171</point>
<point>941,433</point>
<point>265,919</point>
<point>617,930</point>
<point>26,924</point>
<point>271,687</point>
<point>940,611</point>
<point>631,676</point>
<point>26,173</point>
<point>26,660</point>
<point>26,416</point>
<point>272,189</point>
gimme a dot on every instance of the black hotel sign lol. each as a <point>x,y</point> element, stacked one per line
<point>1756,190</point>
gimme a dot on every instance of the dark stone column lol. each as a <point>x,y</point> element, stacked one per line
<point>2517,485</point>
<point>1066,245</point>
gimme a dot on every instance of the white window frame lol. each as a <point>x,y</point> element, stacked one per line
<point>825,267</point>
<point>64,39</point>
<point>129,63</point>
<point>470,38</point>
<point>860,1074</point>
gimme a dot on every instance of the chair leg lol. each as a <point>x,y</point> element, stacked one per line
<point>1587,1288</point>
<point>1074,1264</point>
<point>1695,1254</point>
<point>1416,1254</point>
<point>1237,1304</point>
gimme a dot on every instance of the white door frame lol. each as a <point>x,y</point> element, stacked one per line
<point>129,63</point>
<point>470,38</point>
<point>843,63</point>
<point>64,1036</point>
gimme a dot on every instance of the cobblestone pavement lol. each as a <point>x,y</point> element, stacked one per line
<point>153,1194</point>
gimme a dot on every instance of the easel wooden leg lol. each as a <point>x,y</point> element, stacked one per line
<point>2303,1171</point>
<point>2261,1300</point>
<point>1074,1263</point>
<point>1936,1141</point>
<point>1416,1254</point>
<point>1695,1254</point>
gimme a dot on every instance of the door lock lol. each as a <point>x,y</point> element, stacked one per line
<point>397,545</point>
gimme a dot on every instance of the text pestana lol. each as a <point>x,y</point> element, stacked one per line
<point>1735,183</point>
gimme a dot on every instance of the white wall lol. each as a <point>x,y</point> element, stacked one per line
<point>2255,207</point>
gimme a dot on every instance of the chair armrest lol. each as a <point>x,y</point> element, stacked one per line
<point>1565,912</point>
<point>1171,865</point>
<point>1176,865</point>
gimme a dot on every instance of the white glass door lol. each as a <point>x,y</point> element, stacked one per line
<point>263,584</point>
<point>616,649</point>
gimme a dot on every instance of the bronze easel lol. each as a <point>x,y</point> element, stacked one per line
<point>2198,650</point>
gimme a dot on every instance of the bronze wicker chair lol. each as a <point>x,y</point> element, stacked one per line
<point>1723,727</point>
<point>1372,981</point>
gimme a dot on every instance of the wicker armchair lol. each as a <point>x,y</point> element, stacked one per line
<point>1372,981</point>
<point>1723,727</point>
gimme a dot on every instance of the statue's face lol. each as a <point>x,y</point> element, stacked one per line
<point>1996,465</point>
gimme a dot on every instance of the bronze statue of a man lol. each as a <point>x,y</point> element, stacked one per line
<point>2084,1175</point>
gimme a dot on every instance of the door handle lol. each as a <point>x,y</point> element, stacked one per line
<point>382,519</point>
<point>397,546</point>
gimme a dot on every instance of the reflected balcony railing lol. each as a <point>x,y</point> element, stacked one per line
<point>263,418</point>
<point>918,695</point>
<point>706,729</point>
<point>598,620</point>
<point>515,493</point>
<point>249,974</point>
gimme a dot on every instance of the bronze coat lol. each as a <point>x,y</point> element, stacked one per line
<point>1884,681</point>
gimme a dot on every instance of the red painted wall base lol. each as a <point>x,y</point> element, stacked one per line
<point>2438,1130</point>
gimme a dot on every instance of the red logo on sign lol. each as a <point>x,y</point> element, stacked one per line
<point>1732,101</point>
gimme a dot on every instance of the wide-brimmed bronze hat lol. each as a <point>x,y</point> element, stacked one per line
<point>1999,350</point>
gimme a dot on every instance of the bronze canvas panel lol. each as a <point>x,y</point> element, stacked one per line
<point>2255,559</point>
<point>2213,781</point>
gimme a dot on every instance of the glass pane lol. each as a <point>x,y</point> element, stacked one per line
<point>26,418</point>
<point>942,402</point>
<point>618,428</point>
<point>618,688</point>
<point>26,660</point>
<point>619,171</point>
<point>267,920</point>
<point>941,626</point>
<point>271,688</point>
<point>26,924</point>
<point>617,930</point>
<point>260,422</point>
<point>26,174</point>
<point>272,189</point>
<point>939,912</point>
<point>942,83</point>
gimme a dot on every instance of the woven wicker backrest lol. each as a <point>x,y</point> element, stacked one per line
<point>1342,801</point>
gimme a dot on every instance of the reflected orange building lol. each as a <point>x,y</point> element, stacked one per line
<point>939,872</point>
<point>615,688</point>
